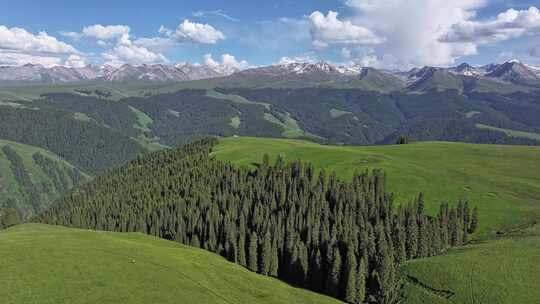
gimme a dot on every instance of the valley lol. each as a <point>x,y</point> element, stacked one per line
<point>468,140</point>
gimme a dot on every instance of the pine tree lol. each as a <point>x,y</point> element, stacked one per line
<point>411,233</point>
<point>242,250</point>
<point>252,261</point>
<point>361,281</point>
<point>350,295</point>
<point>334,273</point>
<point>266,254</point>
<point>384,273</point>
<point>315,272</point>
<point>274,261</point>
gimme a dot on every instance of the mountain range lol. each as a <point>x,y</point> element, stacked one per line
<point>283,75</point>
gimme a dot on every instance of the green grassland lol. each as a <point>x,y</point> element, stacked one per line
<point>51,264</point>
<point>511,133</point>
<point>503,181</point>
<point>11,189</point>
<point>496,271</point>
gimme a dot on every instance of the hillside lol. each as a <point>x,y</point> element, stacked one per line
<point>500,271</point>
<point>503,181</point>
<point>166,115</point>
<point>281,219</point>
<point>82,266</point>
<point>31,177</point>
<point>88,144</point>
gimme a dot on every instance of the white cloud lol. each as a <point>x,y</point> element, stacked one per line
<point>411,31</point>
<point>194,32</point>
<point>329,30</point>
<point>72,35</point>
<point>75,61</point>
<point>127,52</point>
<point>107,32</point>
<point>159,44</point>
<point>18,39</point>
<point>16,59</point>
<point>297,59</point>
<point>230,60</point>
<point>509,24</point>
<point>122,48</point>
<point>209,60</point>
<point>227,61</point>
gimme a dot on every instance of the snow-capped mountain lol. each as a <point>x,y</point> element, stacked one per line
<point>466,69</point>
<point>300,73</point>
<point>31,73</point>
<point>515,72</point>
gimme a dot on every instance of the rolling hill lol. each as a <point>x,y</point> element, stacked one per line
<point>503,181</point>
<point>31,178</point>
<point>501,264</point>
<point>498,271</point>
<point>51,264</point>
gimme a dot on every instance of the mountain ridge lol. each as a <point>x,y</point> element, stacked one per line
<point>302,73</point>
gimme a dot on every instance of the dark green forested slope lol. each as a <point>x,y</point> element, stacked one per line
<point>344,239</point>
<point>87,145</point>
<point>344,116</point>
<point>31,178</point>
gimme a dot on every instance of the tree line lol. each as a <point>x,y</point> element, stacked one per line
<point>284,219</point>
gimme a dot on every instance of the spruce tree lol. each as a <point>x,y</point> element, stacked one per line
<point>315,272</point>
<point>334,273</point>
<point>351,294</point>
<point>411,233</point>
<point>252,254</point>
<point>274,261</point>
<point>266,254</point>
<point>361,281</point>
<point>242,250</point>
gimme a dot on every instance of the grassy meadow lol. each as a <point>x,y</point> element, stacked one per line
<point>502,181</point>
<point>51,264</point>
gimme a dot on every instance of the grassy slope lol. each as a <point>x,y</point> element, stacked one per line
<point>48,264</point>
<point>499,271</point>
<point>9,188</point>
<point>503,181</point>
<point>511,133</point>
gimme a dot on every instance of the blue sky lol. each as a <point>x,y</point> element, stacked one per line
<point>389,34</point>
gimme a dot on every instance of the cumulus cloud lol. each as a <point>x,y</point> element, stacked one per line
<point>122,48</point>
<point>16,59</point>
<point>227,61</point>
<point>194,32</point>
<point>18,39</point>
<point>402,34</point>
<point>127,52</point>
<point>108,32</point>
<point>158,44</point>
<point>75,61</point>
<point>426,32</point>
<point>297,59</point>
<point>509,24</point>
<point>329,30</point>
<point>19,46</point>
